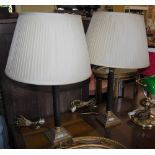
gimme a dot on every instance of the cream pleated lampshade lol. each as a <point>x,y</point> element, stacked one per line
<point>117,40</point>
<point>48,49</point>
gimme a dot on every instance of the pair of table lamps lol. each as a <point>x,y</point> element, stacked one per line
<point>51,49</point>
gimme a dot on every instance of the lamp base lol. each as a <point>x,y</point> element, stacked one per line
<point>109,119</point>
<point>61,135</point>
<point>142,118</point>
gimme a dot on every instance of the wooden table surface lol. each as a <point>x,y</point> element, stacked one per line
<point>74,123</point>
<point>126,133</point>
<point>78,125</point>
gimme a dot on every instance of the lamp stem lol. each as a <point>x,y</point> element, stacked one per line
<point>110,89</point>
<point>61,134</point>
<point>109,119</point>
<point>56,106</point>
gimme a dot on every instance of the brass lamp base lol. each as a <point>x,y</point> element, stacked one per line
<point>109,120</point>
<point>61,135</point>
<point>143,119</point>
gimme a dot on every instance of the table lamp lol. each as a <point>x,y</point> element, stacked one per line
<point>143,117</point>
<point>49,49</point>
<point>116,40</point>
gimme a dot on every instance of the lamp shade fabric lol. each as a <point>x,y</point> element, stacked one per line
<point>117,40</point>
<point>48,49</point>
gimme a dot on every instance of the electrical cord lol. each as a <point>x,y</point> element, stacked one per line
<point>78,104</point>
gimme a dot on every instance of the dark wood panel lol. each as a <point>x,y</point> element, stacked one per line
<point>7,27</point>
<point>36,101</point>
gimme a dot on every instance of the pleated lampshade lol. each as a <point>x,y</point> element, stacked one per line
<point>48,49</point>
<point>117,40</point>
